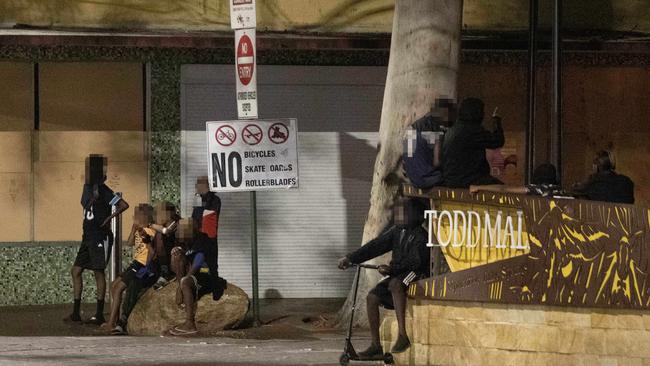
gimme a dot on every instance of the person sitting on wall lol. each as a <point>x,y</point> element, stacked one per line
<point>139,274</point>
<point>206,224</point>
<point>192,275</point>
<point>410,261</point>
<point>605,184</point>
<point>97,237</point>
<point>463,151</point>
<point>166,219</point>
<point>544,184</point>
<point>421,157</point>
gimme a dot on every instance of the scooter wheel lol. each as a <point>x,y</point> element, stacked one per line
<point>388,359</point>
<point>344,360</point>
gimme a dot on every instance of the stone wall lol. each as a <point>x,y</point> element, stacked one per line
<point>456,333</point>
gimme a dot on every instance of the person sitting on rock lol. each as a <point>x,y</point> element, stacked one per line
<point>410,261</point>
<point>139,274</point>
<point>166,220</point>
<point>192,274</point>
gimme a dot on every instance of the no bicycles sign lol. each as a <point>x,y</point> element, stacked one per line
<point>252,155</point>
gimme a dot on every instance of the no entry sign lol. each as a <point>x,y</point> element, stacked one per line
<point>246,73</point>
<point>252,155</point>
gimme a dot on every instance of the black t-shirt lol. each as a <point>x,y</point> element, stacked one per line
<point>609,186</point>
<point>97,207</point>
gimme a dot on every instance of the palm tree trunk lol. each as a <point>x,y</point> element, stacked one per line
<point>423,65</point>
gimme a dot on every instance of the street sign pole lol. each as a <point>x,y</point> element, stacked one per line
<point>243,16</point>
<point>256,295</point>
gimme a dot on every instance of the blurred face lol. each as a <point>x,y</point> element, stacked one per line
<point>399,214</point>
<point>96,168</point>
<point>163,214</point>
<point>202,186</point>
<point>185,231</point>
<point>140,216</point>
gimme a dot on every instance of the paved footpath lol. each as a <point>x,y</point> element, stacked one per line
<point>71,351</point>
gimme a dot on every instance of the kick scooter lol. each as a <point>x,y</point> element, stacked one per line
<point>349,354</point>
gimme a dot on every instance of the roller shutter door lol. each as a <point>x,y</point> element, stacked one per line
<point>302,232</point>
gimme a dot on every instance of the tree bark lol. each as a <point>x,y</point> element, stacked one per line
<point>423,64</point>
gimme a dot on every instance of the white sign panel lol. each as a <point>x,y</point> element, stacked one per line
<point>242,14</point>
<point>252,155</point>
<point>246,66</point>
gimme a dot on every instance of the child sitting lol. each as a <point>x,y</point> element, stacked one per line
<point>139,274</point>
<point>166,220</point>
<point>192,274</point>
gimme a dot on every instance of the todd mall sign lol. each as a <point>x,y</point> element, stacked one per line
<point>520,249</point>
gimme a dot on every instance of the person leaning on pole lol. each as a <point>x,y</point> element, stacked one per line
<point>96,200</point>
<point>410,261</point>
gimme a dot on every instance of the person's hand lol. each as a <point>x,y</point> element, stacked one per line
<point>474,189</point>
<point>106,222</point>
<point>495,114</point>
<point>344,263</point>
<point>176,251</point>
<point>384,270</point>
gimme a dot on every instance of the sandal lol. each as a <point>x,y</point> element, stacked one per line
<point>176,331</point>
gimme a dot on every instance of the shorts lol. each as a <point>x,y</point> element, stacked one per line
<point>92,253</point>
<point>382,291</point>
<point>202,284</point>
<point>129,276</point>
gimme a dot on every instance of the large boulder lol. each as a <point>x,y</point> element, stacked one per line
<point>156,311</point>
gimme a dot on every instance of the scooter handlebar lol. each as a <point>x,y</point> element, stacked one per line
<point>362,265</point>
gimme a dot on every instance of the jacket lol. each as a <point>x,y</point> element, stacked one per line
<point>409,246</point>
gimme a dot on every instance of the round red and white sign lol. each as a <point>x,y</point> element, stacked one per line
<point>245,59</point>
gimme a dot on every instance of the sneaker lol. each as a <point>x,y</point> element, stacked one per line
<point>96,320</point>
<point>162,282</point>
<point>401,345</point>
<point>374,352</point>
<point>118,330</point>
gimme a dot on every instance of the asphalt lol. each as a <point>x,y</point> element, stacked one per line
<point>294,332</point>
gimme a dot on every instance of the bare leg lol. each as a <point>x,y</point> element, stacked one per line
<point>372,302</point>
<point>117,289</point>
<point>398,290</point>
<point>189,291</point>
<point>77,283</point>
<point>100,280</point>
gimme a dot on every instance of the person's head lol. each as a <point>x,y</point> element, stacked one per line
<point>604,161</point>
<point>202,185</point>
<point>545,174</point>
<point>96,165</point>
<point>408,212</point>
<point>164,212</point>
<point>143,215</point>
<point>444,111</point>
<point>185,232</point>
<point>471,110</point>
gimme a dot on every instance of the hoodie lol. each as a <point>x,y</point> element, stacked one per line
<point>463,151</point>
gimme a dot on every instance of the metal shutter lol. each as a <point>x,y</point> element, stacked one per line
<point>301,232</point>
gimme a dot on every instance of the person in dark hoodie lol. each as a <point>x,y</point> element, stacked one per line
<point>410,261</point>
<point>463,151</point>
<point>605,184</point>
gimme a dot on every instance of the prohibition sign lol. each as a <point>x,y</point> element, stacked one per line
<point>278,133</point>
<point>226,135</point>
<point>252,134</point>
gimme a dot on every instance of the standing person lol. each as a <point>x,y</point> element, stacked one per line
<point>410,261</point>
<point>463,153</point>
<point>422,151</point>
<point>96,200</point>
<point>206,224</point>
<point>605,184</point>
